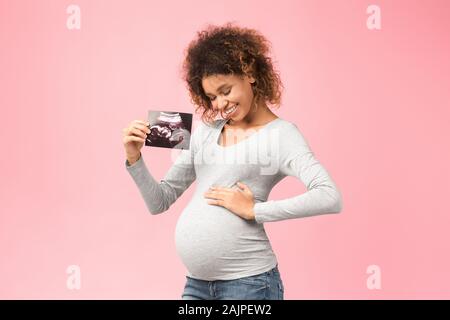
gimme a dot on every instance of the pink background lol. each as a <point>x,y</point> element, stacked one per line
<point>373,105</point>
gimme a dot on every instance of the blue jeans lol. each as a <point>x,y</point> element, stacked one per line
<point>263,286</point>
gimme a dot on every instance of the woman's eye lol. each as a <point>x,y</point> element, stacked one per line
<point>225,93</point>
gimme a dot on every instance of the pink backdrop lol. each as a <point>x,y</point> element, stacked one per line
<point>373,104</point>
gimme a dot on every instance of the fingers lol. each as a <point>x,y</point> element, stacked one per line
<point>137,132</point>
<point>215,194</point>
<point>216,202</point>
<point>243,187</point>
<point>137,128</point>
<point>139,125</point>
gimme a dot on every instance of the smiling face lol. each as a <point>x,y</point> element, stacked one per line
<point>230,92</point>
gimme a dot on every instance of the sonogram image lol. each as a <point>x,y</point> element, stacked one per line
<point>169,129</point>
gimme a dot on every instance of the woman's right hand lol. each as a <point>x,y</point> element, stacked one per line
<point>134,138</point>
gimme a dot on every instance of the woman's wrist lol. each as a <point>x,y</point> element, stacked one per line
<point>132,160</point>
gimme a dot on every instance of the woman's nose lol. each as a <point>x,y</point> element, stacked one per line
<point>223,104</point>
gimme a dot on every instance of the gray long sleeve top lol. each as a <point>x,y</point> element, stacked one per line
<point>214,243</point>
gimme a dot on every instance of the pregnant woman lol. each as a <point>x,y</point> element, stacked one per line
<point>237,154</point>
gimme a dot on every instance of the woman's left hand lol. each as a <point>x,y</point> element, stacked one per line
<point>239,201</point>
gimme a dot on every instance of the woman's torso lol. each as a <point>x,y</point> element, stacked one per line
<point>213,242</point>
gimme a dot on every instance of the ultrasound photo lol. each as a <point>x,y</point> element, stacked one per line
<point>169,129</point>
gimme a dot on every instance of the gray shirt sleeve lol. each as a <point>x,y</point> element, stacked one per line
<point>159,196</point>
<point>297,159</point>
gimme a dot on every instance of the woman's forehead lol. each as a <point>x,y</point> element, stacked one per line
<point>214,82</point>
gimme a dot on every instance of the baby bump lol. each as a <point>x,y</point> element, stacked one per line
<point>209,235</point>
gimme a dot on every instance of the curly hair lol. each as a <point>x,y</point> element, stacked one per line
<point>229,50</point>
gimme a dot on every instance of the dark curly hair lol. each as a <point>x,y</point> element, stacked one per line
<point>226,50</point>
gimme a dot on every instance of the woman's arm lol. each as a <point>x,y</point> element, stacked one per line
<point>297,159</point>
<point>159,196</point>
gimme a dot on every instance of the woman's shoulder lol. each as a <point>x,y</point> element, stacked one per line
<point>286,125</point>
<point>290,134</point>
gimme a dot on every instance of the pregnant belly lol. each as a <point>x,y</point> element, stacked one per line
<point>210,238</point>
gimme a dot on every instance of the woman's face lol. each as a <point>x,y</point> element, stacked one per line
<point>228,93</point>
